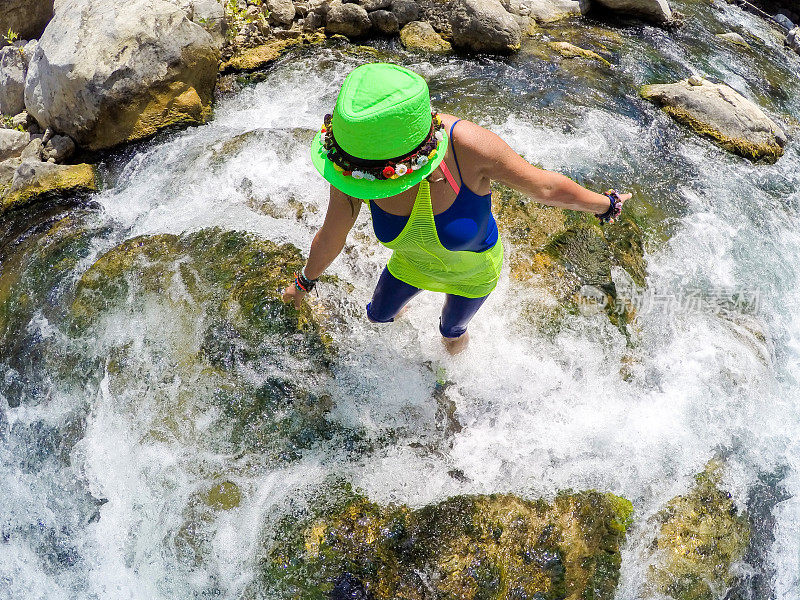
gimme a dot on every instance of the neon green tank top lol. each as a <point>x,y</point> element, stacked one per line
<point>420,260</point>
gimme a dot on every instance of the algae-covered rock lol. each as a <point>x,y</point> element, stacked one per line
<point>467,547</point>
<point>719,112</point>
<point>218,335</point>
<point>258,57</point>
<point>420,36</point>
<point>42,244</point>
<point>702,535</point>
<point>37,181</point>
<point>571,252</point>
<point>568,50</point>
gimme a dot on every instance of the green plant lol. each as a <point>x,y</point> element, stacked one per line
<point>11,36</point>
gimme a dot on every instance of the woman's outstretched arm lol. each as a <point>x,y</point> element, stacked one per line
<point>495,160</point>
<point>328,241</point>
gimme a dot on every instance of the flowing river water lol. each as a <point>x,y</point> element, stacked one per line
<point>97,501</point>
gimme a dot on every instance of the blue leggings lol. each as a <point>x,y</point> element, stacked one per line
<point>391,295</point>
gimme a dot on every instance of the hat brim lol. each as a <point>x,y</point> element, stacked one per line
<point>366,189</point>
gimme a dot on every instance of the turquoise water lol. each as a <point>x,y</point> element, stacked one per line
<point>103,467</point>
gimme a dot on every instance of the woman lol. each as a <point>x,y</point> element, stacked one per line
<point>427,180</point>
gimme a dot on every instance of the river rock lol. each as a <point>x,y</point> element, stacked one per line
<point>568,50</point>
<point>793,39</point>
<point>27,18</point>
<point>484,26</point>
<point>384,21</point>
<point>347,19</point>
<point>658,11</point>
<point>405,11</point>
<point>783,21</point>
<point>33,151</point>
<point>733,38</point>
<point>107,73</point>
<point>719,112</point>
<point>12,143</point>
<point>420,36</point>
<point>58,148</point>
<point>370,5</point>
<point>546,11</point>
<point>34,180</point>
<point>490,547</point>
<point>209,14</point>
<point>281,12</point>
<point>12,80</point>
<point>571,258</point>
<point>701,536</point>
<point>223,288</point>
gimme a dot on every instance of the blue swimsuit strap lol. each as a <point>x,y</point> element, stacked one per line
<point>453,146</point>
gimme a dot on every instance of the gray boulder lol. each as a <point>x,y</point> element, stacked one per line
<point>12,143</point>
<point>783,21</point>
<point>384,21</point>
<point>658,11</point>
<point>107,73</point>
<point>12,80</point>
<point>405,11</point>
<point>370,5</point>
<point>546,11</point>
<point>793,39</point>
<point>27,18</point>
<point>719,112</point>
<point>58,148</point>
<point>281,12</point>
<point>209,14</point>
<point>484,26</point>
<point>347,19</point>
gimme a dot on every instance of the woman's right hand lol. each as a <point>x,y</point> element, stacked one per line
<point>292,294</point>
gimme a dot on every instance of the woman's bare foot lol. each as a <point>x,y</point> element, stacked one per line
<point>456,345</point>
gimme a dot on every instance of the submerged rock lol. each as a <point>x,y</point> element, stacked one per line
<point>467,547</point>
<point>420,36</point>
<point>484,26</point>
<point>702,535</point>
<point>27,18</point>
<point>719,112</point>
<point>571,253</point>
<point>733,38</point>
<point>105,74</point>
<point>221,340</point>
<point>658,11</point>
<point>568,50</point>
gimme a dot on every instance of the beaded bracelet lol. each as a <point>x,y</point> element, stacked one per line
<point>302,283</point>
<point>615,208</point>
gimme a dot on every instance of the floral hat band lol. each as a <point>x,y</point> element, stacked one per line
<point>393,168</point>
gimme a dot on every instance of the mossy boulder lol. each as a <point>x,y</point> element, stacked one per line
<point>250,59</point>
<point>421,37</point>
<point>467,547</point>
<point>34,181</point>
<point>571,253</point>
<point>215,335</point>
<point>720,113</point>
<point>702,535</point>
<point>42,245</point>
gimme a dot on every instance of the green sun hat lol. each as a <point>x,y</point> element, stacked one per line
<point>386,139</point>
